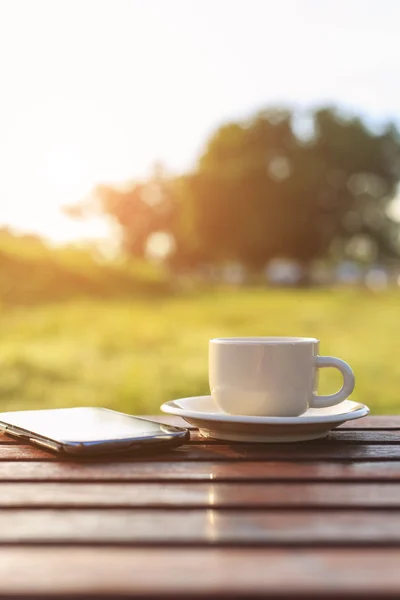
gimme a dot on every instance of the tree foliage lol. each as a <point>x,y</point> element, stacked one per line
<point>261,191</point>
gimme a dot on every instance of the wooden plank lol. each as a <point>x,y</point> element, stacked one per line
<point>200,495</point>
<point>305,451</point>
<point>21,452</point>
<point>356,436</point>
<point>200,527</point>
<point>373,432</point>
<point>376,436</point>
<point>328,450</point>
<point>391,422</point>
<point>203,573</point>
<point>218,471</point>
<point>232,573</point>
<point>25,471</point>
<point>6,439</point>
<point>372,436</point>
<point>374,422</point>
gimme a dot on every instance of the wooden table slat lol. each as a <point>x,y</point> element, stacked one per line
<point>201,495</point>
<point>370,436</point>
<point>374,422</point>
<point>211,518</point>
<point>356,436</point>
<point>306,451</point>
<point>201,573</point>
<point>200,527</point>
<point>217,471</point>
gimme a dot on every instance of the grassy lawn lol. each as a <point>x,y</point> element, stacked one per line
<point>133,355</point>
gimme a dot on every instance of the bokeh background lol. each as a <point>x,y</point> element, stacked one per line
<point>176,170</point>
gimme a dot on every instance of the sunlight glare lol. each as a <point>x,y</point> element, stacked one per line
<point>96,91</point>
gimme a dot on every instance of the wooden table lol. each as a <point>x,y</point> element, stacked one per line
<point>237,520</point>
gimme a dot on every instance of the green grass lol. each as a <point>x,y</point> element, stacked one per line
<point>134,355</point>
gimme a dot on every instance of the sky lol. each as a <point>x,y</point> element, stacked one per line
<point>96,91</point>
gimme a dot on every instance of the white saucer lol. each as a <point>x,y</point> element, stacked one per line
<point>201,412</point>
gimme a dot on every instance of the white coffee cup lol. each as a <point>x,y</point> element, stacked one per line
<point>271,376</point>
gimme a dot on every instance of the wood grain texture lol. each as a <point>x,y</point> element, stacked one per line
<point>373,436</point>
<point>203,573</point>
<point>329,450</point>
<point>7,439</point>
<point>152,471</point>
<point>356,436</point>
<point>245,496</point>
<point>236,520</point>
<point>318,450</point>
<point>362,436</point>
<point>374,422</point>
<point>200,527</point>
<point>348,445</point>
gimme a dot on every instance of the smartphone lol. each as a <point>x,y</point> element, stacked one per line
<point>90,431</point>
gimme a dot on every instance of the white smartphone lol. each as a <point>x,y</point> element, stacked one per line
<point>89,431</point>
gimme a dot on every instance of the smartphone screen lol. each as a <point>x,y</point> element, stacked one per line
<point>87,427</point>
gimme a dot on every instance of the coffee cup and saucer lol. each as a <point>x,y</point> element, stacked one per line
<point>264,389</point>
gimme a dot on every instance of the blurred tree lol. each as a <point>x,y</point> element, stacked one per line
<point>260,192</point>
<point>362,173</point>
<point>141,209</point>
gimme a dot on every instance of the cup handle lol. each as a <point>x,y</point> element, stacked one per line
<point>346,389</point>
